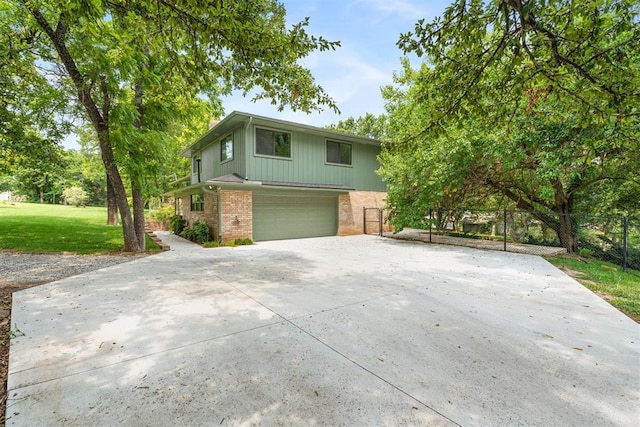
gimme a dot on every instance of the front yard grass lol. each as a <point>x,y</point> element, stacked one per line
<point>622,290</point>
<point>41,228</point>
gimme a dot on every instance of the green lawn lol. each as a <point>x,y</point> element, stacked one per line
<point>35,227</point>
<point>622,290</point>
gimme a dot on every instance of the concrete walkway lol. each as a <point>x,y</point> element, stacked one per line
<point>331,331</point>
<point>494,245</point>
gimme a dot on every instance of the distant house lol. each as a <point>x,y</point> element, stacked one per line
<point>269,179</point>
<point>5,196</point>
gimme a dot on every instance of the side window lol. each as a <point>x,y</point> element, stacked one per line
<point>273,143</point>
<point>197,202</point>
<point>226,148</point>
<point>339,152</point>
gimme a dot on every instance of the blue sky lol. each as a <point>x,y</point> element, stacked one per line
<point>353,74</point>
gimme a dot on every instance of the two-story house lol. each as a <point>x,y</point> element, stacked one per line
<point>269,179</point>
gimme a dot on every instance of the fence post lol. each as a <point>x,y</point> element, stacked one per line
<point>430,223</point>
<point>504,232</point>
<point>364,219</point>
<point>380,221</point>
<point>625,233</point>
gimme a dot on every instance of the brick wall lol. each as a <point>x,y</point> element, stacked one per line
<point>237,214</point>
<point>351,211</point>
<point>208,215</point>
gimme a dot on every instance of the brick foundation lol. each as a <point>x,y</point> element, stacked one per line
<point>236,218</point>
<point>208,215</point>
<point>351,212</point>
<point>237,214</point>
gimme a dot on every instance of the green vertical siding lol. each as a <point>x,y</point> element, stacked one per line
<point>366,177</point>
<point>210,164</point>
<point>308,163</point>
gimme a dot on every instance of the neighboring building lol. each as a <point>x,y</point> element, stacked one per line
<point>269,179</point>
<point>5,196</point>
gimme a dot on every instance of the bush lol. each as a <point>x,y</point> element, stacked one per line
<point>75,196</point>
<point>243,241</point>
<point>585,252</point>
<point>177,224</point>
<point>229,243</point>
<point>162,214</point>
<point>199,232</point>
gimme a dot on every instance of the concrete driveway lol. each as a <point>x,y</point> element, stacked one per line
<point>332,331</point>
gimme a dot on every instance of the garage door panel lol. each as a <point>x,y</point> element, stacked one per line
<point>290,217</point>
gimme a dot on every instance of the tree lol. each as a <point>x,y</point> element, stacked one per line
<point>130,66</point>
<point>368,125</point>
<point>537,102</point>
<point>40,178</point>
<point>29,128</point>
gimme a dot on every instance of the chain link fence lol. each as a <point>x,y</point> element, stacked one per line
<point>609,238</point>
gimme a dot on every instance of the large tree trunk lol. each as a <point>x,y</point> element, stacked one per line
<point>112,207</point>
<point>136,185</point>
<point>99,118</point>
<point>566,234</point>
<point>566,229</point>
<point>138,212</point>
<point>563,225</point>
<point>131,241</point>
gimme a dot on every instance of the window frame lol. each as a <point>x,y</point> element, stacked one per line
<point>340,144</point>
<point>197,205</point>
<point>274,132</point>
<point>226,139</point>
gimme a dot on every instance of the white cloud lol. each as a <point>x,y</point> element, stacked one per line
<point>348,75</point>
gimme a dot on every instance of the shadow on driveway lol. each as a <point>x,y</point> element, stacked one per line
<point>356,330</point>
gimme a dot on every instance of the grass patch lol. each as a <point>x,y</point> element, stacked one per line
<point>31,227</point>
<point>622,290</point>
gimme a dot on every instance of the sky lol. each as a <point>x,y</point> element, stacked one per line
<point>354,73</point>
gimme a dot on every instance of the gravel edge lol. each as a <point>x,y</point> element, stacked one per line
<point>19,267</point>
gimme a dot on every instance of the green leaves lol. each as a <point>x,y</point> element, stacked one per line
<point>536,102</point>
<point>583,50</point>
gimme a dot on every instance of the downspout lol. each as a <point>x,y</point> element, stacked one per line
<point>246,139</point>
<point>219,218</point>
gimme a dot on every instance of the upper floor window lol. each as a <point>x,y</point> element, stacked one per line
<point>197,202</point>
<point>339,152</point>
<point>226,148</point>
<point>273,143</point>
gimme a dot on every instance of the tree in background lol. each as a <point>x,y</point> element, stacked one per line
<point>32,115</point>
<point>369,125</point>
<point>538,103</point>
<point>129,68</point>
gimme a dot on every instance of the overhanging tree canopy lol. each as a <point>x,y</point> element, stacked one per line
<point>536,101</point>
<point>130,65</point>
